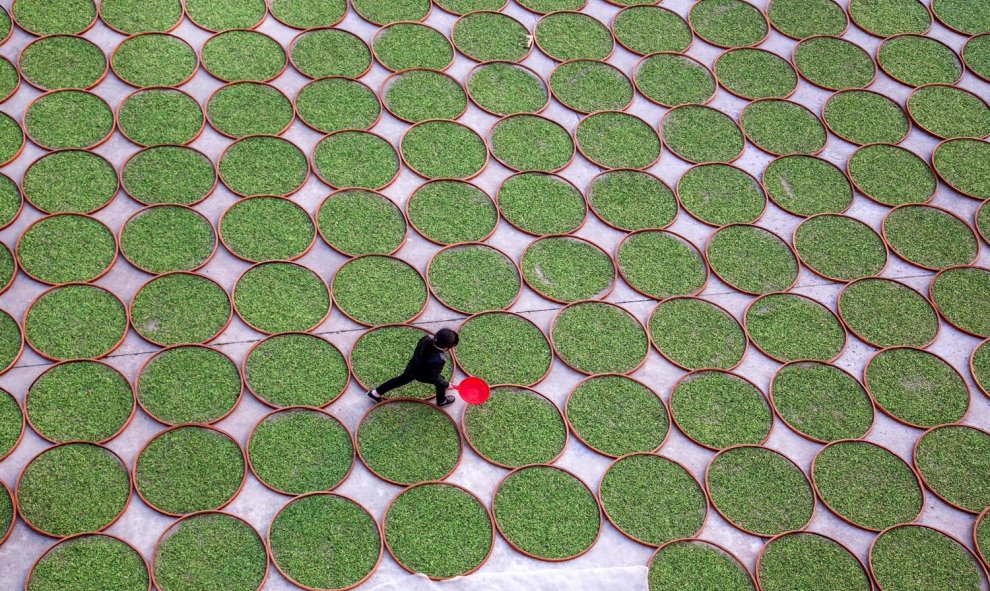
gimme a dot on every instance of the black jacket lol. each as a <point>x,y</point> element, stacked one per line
<point>427,360</point>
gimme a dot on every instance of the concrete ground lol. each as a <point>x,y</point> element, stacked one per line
<point>615,562</point>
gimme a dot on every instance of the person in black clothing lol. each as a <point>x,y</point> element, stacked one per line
<point>425,366</point>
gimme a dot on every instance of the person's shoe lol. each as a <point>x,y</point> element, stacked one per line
<point>374,396</point>
<point>447,401</point>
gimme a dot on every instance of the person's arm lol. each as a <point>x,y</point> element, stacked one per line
<point>421,351</point>
<point>417,363</point>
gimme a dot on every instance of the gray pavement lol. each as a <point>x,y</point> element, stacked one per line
<point>615,562</point>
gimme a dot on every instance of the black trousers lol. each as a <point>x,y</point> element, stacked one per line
<point>407,377</point>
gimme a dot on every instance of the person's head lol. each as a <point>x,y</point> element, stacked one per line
<point>446,339</point>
